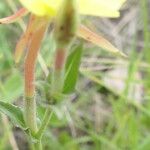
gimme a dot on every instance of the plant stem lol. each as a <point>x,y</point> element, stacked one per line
<point>37,145</point>
<point>58,72</point>
<point>45,121</point>
<point>29,69</point>
<point>30,114</point>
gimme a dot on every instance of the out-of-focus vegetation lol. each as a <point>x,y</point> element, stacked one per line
<point>110,109</point>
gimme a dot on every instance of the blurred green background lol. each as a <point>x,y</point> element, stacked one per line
<point>110,109</point>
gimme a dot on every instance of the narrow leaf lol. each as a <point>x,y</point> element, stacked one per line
<point>98,40</point>
<point>14,112</point>
<point>72,69</point>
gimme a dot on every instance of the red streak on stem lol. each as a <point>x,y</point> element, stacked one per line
<point>30,61</point>
<point>60,59</point>
<point>25,38</point>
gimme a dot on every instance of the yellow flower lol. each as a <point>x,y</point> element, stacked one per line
<point>41,12</point>
<point>105,8</point>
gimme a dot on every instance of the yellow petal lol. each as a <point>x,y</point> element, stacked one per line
<point>38,7</point>
<point>106,8</point>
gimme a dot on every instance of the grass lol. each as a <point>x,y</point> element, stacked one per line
<point>96,117</point>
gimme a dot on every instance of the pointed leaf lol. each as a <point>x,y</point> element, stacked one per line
<point>98,40</point>
<point>14,112</point>
<point>72,69</point>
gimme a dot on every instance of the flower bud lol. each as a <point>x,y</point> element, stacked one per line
<point>66,23</point>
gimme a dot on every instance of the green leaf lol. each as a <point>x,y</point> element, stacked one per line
<point>15,113</point>
<point>12,88</point>
<point>145,144</point>
<point>72,69</point>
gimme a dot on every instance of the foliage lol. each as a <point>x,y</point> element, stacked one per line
<point>96,116</point>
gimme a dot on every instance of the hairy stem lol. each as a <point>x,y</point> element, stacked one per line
<point>37,145</point>
<point>30,114</point>
<point>30,63</point>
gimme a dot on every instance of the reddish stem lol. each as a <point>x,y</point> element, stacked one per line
<point>60,59</point>
<point>20,13</point>
<point>25,39</point>
<point>30,61</point>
